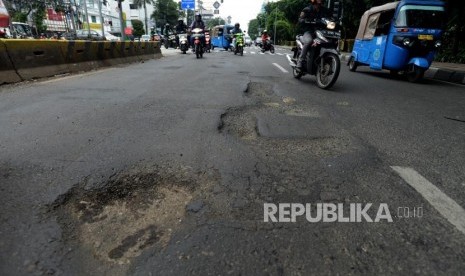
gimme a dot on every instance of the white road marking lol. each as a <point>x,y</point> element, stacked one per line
<point>253,53</point>
<point>261,53</point>
<point>280,54</point>
<point>280,68</point>
<point>445,205</point>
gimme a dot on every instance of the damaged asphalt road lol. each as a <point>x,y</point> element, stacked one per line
<point>153,170</point>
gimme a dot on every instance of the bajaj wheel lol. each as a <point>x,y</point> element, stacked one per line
<point>328,71</point>
<point>416,74</point>
<point>352,64</point>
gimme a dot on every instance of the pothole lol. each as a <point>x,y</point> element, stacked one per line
<point>259,90</point>
<point>132,211</point>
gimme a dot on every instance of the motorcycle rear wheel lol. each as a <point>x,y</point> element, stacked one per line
<point>327,76</point>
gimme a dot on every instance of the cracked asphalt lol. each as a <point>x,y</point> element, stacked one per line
<point>164,167</point>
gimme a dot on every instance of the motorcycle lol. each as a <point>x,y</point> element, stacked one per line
<point>170,41</point>
<point>198,34</point>
<point>322,58</point>
<point>239,49</point>
<point>183,43</point>
<point>208,45</point>
<point>268,46</point>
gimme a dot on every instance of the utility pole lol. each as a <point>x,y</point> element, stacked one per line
<point>120,7</point>
<point>101,16</point>
<point>87,18</point>
<point>275,18</point>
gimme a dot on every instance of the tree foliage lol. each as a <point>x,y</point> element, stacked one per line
<point>215,21</point>
<point>166,11</point>
<point>138,28</point>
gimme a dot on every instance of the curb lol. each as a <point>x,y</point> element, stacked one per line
<point>433,72</point>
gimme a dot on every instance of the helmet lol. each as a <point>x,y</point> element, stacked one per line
<point>167,24</point>
<point>198,16</point>
<point>237,25</point>
<point>264,31</point>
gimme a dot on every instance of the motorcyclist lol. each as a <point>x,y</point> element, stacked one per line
<point>181,28</point>
<point>265,37</point>
<point>236,30</point>
<point>167,31</point>
<point>198,23</point>
<point>314,11</point>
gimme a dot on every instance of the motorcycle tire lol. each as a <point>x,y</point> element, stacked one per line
<point>166,45</point>
<point>184,52</point>
<point>297,73</point>
<point>197,51</point>
<point>242,51</point>
<point>272,49</point>
<point>334,67</point>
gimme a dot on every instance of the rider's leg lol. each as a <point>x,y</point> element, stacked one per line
<point>303,55</point>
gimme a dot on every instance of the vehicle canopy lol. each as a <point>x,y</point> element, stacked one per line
<point>219,30</point>
<point>406,13</point>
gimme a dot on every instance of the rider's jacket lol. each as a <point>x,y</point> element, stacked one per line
<point>309,14</point>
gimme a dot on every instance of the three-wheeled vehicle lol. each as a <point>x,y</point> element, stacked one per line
<point>401,36</point>
<point>220,36</point>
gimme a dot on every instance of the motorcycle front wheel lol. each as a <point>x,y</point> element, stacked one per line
<point>328,71</point>
<point>197,51</point>
<point>166,44</point>
<point>272,49</point>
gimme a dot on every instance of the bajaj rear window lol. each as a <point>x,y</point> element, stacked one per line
<point>416,16</point>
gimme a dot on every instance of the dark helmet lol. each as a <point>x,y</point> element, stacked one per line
<point>198,16</point>
<point>237,25</point>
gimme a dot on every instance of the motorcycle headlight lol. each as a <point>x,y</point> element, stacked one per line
<point>438,44</point>
<point>331,25</point>
<point>321,36</point>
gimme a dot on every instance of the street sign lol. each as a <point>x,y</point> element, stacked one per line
<point>216,5</point>
<point>188,4</point>
<point>216,12</point>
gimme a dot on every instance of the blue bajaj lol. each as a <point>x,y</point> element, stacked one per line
<point>401,36</point>
<point>220,36</point>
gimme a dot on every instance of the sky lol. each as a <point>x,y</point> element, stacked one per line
<point>241,11</point>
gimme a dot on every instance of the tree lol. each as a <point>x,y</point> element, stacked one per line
<point>138,28</point>
<point>166,11</point>
<point>144,3</point>
<point>215,21</point>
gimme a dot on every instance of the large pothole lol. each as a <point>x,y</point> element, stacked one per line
<point>282,126</point>
<point>132,211</point>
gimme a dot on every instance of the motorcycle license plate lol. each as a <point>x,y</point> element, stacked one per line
<point>425,37</point>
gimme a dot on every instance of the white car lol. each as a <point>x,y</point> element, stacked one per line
<point>145,38</point>
<point>110,37</point>
<point>248,41</point>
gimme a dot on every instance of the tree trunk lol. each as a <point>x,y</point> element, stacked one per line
<point>145,17</point>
